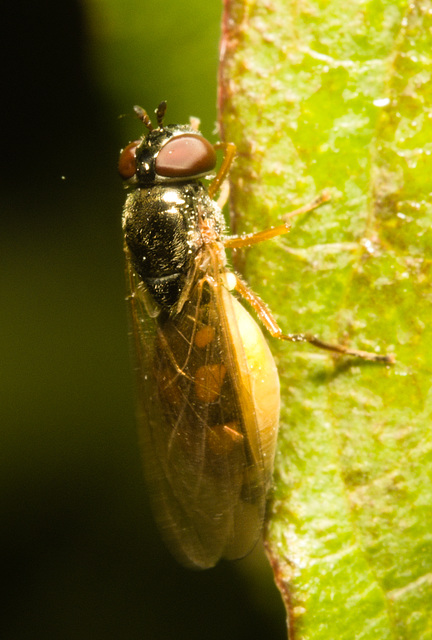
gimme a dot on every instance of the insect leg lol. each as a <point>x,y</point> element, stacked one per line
<point>248,239</point>
<point>223,195</point>
<point>268,320</point>
<point>229,153</point>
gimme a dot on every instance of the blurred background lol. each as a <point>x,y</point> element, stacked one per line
<point>80,554</point>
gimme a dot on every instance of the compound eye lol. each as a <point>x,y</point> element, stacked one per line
<point>127,165</point>
<point>185,156</point>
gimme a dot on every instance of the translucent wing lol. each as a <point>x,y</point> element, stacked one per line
<point>207,443</point>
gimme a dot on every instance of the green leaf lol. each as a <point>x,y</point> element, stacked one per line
<point>338,95</point>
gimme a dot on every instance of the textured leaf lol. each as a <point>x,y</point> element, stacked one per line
<point>338,95</point>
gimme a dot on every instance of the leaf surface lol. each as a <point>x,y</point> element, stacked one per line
<point>338,95</point>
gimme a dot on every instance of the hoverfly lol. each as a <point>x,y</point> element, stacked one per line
<point>207,383</point>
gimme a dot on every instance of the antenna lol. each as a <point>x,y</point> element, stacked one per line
<point>143,116</point>
<point>160,112</point>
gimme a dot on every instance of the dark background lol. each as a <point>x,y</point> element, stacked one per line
<point>81,557</point>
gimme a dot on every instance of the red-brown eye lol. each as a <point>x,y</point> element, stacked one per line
<point>127,163</point>
<point>185,156</point>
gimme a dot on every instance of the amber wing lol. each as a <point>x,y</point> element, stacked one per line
<point>203,458</point>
